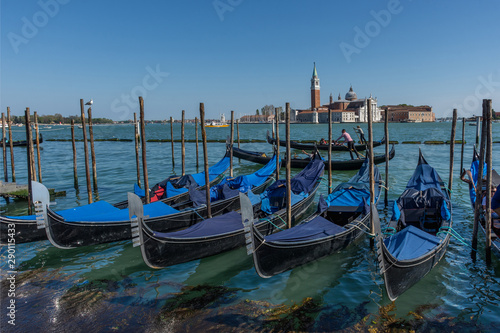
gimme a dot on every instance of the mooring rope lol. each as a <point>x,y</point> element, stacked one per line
<point>454,233</point>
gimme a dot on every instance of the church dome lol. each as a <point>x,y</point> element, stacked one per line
<point>351,95</point>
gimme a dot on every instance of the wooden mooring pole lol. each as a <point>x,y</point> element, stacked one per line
<point>29,143</point>
<point>231,142</point>
<point>38,157</point>
<point>32,152</point>
<point>4,150</point>
<point>92,150</point>
<point>183,144</point>
<point>143,145</point>
<point>238,131</point>
<point>386,135</point>
<point>196,140</point>
<point>86,152</point>
<point>329,150</point>
<point>371,170</point>
<point>487,213</point>
<point>75,173</point>
<point>278,164</point>
<point>452,150</point>
<point>463,144</point>
<point>288,167</point>
<point>11,144</point>
<point>205,159</point>
<point>477,128</point>
<point>479,186</point>
<point>136,140</point>
<point>172,141</point>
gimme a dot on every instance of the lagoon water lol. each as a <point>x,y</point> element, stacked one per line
<point>109,288</point>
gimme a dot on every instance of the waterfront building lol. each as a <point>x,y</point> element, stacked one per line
<point>409,113</point>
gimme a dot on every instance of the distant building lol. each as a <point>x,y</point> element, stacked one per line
<point>256,119</point>
<point>408,113</point>
<point>349,109</point>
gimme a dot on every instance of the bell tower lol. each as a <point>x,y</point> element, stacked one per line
<point>315,101</point>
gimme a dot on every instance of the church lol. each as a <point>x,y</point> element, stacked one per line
<point>347,110</point>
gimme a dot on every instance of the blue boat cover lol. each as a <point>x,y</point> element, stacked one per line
<point>355,192</point>
<point>306,179</point>
<point>411,243</point>
<point>231,187</point>
<point>246,182</point>
<point>424,177</point>
<point>101,211</point>
<point>474,169</point>
<point>317,228</point>
<point>175,185</point>
<point>269,203</point>
<point>215,226</point>
<point>422,191</point>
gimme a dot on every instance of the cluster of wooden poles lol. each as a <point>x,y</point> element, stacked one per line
<point>485,156</point>
<point>30,151</point>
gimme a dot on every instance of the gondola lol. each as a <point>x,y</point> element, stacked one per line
<point>340,219</point>
<point>102,223</point>
<point>417,236</point>
<point>20,143</point>
<point>311,146</point>
<point>495,180</point>
<point>176,192</point>
<point>225,232</point>
<point>262,158</point>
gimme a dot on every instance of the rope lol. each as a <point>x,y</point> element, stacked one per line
<point>389,233</point>
<point>268,220</point>
<point>454,233</point>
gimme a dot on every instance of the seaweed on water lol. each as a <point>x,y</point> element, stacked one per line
<point>297,317</point>
<point>342,317</point>
<point>192,299</point>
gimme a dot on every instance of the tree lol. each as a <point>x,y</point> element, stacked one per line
<point>257,112</point>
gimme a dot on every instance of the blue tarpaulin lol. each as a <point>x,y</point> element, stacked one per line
<point>217,225</point>
<point>411,243</point>
<point>231,187</point>
<point>105,212</point>
<point>317,228</point>
<point>305,180</point>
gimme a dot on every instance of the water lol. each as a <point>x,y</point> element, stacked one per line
<point>109,288</point>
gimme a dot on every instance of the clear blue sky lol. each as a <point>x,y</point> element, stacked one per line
<point>243,54</point>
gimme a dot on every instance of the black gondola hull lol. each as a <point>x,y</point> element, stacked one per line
<point>159,253</point>
<point>271,258</point>
<point>25,230</point>
<point>310,146</point>
<point>302,163</point>
<point>66,234</point>
<point>401,275</point>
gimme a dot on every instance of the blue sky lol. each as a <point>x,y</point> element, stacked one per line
<point>241,55</point>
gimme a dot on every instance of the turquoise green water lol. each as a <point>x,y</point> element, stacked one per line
<point>109,288</point>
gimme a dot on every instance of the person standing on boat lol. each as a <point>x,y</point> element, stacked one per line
<point>495,201</point>
<point>350,143</point>
<point>359,130</point>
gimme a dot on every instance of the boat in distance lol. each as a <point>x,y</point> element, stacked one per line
<point>311,146</point>
<point>262,158</point>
